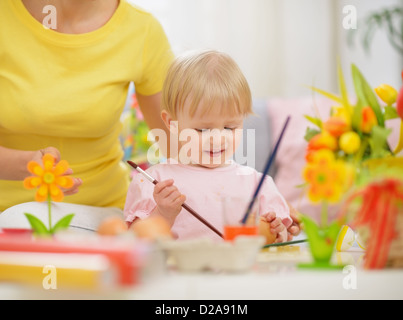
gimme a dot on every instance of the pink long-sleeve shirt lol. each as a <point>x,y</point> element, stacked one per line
<point>205,190</point>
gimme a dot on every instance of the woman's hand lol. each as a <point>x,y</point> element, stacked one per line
<point>276,227</point>
<point>56,154</point>
<point>169,200</point>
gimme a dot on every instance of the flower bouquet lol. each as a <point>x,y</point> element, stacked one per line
<point>349,162</point>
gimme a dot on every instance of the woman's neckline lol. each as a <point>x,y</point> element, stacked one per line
<point>67,39</point>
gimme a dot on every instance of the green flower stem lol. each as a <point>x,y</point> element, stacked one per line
<point>360,154</point>
<point>50,212</point>
<point>324,214</point>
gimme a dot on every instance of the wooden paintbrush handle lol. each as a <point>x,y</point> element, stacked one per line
<point>201,219</point>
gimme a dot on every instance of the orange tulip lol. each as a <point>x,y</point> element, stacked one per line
<point>368,119</point>
<point>323,140</point>
<point>49,178</point>
<point>336,126</point>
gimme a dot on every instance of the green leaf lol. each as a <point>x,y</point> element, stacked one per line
<point>378,142</point>
<point>366,95</point>
<point>328,95</point>
<point>390,113</point>
<point>342,87</point>
<point>356,118</point>
<point>310,133</point>
<point>63,223</point>
<point>316,121</point>
<point>37,225</point>
<point>302,185</point>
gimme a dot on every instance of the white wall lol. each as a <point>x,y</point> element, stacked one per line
<point>281,45</point>
<point>382,64</point>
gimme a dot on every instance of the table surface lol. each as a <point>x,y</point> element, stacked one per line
<point>276,275</point>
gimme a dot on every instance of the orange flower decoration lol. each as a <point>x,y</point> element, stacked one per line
<point>49,178</point>
<point>327,177</point>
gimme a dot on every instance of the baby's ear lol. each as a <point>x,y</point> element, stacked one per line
<point>168,121</point>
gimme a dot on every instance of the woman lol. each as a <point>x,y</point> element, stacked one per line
<point>62,91</point>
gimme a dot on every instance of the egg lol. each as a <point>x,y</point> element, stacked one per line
<point>264,230</point>
<point>345,239</point>
<point>360,239</point>
<point>112,226</point>
<point>152,228</point>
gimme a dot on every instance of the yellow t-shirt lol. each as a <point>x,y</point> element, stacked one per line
<point>68,91</point>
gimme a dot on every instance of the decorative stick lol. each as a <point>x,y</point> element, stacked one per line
<point>266,170</point>
<point>185,206</point>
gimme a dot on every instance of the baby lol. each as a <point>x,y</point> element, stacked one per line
<point>205,101</point>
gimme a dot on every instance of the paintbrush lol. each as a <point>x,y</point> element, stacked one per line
<point>185,206</point>
<point>281,244</point>
<point>266,170</point>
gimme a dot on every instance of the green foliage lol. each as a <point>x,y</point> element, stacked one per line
<point>366,95</point>
<point>388,20</point>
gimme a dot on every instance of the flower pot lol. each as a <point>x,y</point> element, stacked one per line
<point>322,241</point>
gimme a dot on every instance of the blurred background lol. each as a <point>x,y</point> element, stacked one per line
<point>283,45</point>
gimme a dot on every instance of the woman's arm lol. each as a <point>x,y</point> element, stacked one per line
<point>13,163</point>
<point>151,108</point>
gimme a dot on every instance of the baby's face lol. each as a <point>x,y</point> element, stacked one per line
<point>209,139</point>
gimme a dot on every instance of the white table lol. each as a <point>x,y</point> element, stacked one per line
<point>275,276</point>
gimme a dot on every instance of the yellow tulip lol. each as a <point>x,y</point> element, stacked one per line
<point>350,142</point>
<point>343,112</point>
<point>387,94</point>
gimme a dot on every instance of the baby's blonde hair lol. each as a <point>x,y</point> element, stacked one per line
<point>210,77</point>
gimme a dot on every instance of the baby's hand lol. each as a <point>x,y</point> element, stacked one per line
<point>168,198</point>
<point>277,227</point>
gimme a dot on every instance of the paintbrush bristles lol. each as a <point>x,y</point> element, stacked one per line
<point>145,174</point>
<point>132,164</point>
